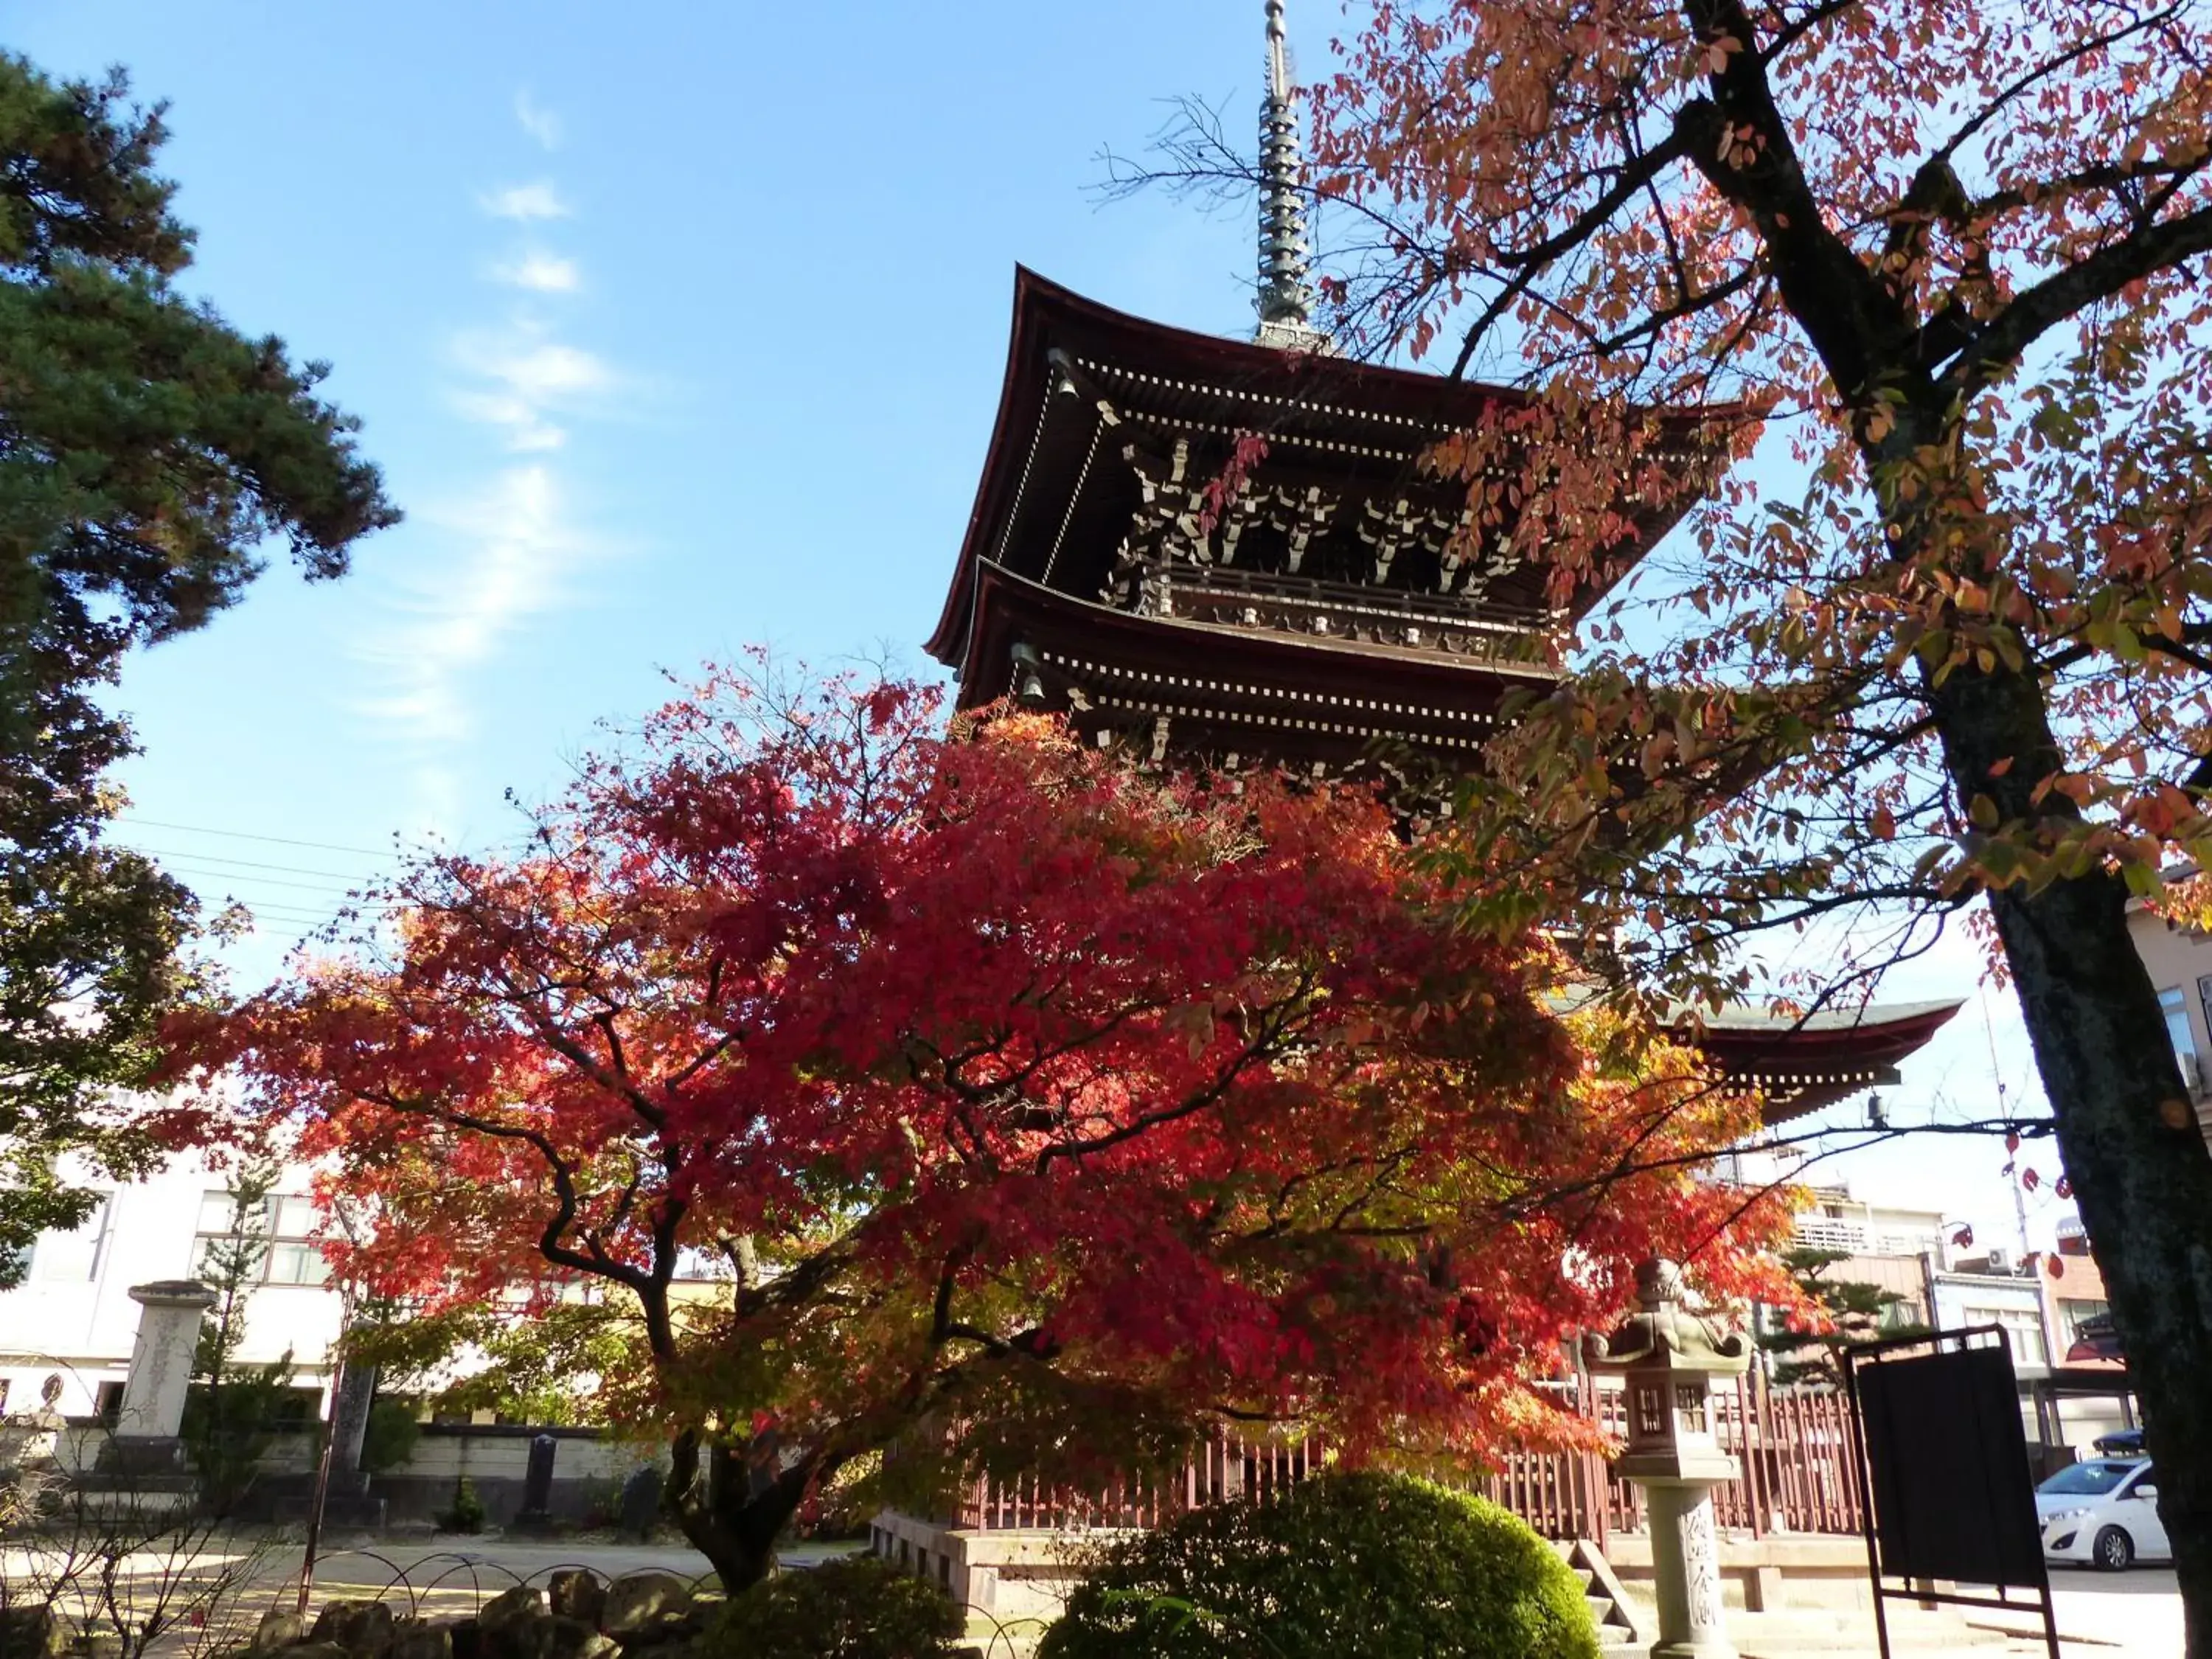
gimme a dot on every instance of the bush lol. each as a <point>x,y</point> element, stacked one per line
<point>388,1440</point>
<point>842,1507</point>
<point>1347,1566</point>
<point>856,1608</point>
<point>467,1514</point>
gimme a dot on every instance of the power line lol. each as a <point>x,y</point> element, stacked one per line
<point>198,857</point>
<point>279,920</point>
<point>242,835</point>
<point>308,906</point>
<point>197,875</point>
<point>302,907</point>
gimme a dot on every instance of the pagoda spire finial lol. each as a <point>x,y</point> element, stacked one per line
<point>1286,299</point>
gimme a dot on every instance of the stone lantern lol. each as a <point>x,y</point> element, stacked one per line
<point>1667,1358</point>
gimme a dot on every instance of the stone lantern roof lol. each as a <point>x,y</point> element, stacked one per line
<point>1666,1334</point>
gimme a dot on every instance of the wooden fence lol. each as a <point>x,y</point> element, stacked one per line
<point>1798,1449</point>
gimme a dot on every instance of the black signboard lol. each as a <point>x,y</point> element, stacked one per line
<point>1950,1493</point>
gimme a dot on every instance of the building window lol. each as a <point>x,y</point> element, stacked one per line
<point>287,1226</point>
<point>2175,1007</point>
<point>2074,1313</point>
<point>2023,1326</point>
<point>73,1257</point>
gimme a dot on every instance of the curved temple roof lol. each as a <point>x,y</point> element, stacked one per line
<point>1103,417</point>
<point>1804,1063</point>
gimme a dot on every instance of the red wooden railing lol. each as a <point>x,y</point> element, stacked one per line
<point>1798,1449</point>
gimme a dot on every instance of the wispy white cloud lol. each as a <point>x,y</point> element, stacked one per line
<point>509,550</point>
<point>537,121</point>
<point>536,200</point>
<point>522,381</point>
<point>540,272</point>
<point>504,551</point>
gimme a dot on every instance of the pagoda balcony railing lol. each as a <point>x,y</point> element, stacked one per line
<point>1476,630</point>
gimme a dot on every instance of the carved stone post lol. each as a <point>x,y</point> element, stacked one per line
<point>1667,1356</point>
<point>160,1371</point>
<point>351,1395</point>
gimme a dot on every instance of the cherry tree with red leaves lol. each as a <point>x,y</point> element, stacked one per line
<point>1003,1087</point>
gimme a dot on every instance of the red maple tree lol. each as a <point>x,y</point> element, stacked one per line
<point>1001,1084</point>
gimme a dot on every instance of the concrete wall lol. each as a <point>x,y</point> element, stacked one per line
<point>588,1472</point>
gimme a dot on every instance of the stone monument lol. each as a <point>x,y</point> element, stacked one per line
<point>537,1513</point>
<point>351,1397</point>
<point>153,1409</point>
<point>1667,1356</point>
<point>641,1502</point>
<point>30,1442</point>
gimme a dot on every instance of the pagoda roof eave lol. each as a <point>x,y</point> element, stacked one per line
<point>1045,313</point>
<point>1187,655</point>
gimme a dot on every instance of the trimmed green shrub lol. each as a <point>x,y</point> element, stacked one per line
<point>1347,1566</point>
<point>467,1514</point>
<point>388,1438</point>
<point>855,1607</point>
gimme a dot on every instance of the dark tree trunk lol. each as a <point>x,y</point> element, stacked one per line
<point>2138,1162</point>
<point>732,1520</point>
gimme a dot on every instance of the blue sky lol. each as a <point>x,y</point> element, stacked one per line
<point>675,327</point>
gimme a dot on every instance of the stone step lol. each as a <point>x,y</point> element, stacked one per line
<point>1616,1625</point>
<point>1830,1632</point>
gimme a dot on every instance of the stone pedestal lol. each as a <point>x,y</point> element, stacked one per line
<point>160,1372</point>
<point>1686,1571</point>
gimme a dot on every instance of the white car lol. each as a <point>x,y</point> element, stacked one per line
<point>2103,1513</point>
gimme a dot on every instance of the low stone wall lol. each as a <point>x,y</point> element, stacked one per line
<point>77,1446</point>
<point>588,1472</point>
<point>1015,1573</point>
<point>1777,1573</point>
<point>589,1468</point>
<point>1010,1574</point>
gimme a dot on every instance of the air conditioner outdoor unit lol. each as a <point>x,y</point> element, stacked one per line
<point>2000,1261</point>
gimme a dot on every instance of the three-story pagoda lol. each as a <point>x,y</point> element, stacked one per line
<point>1236,552</point>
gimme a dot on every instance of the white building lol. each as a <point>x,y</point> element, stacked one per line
<point>73,1316</point>
<point>2180,960</point>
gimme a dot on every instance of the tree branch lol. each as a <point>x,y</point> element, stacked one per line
<point>2000,343</point>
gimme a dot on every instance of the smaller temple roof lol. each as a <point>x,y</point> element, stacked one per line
<point>1805,1062</point>
<point>1746,1018</point>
